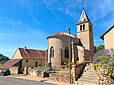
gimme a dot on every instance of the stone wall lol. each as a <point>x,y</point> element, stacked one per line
<point>88,57</point>
<point>60,77</point>
<point>64,77</point>
<point>14,70</point>
<point>31,62</point>
<point>31,72</point>
<point>102,78</point>
<point>59,43</point>
<point>76,70</point>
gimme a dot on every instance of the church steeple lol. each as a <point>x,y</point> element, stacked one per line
<point>83,17</point>
<point>85,31</point>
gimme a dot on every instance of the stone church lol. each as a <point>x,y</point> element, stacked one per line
<point>82,46</point>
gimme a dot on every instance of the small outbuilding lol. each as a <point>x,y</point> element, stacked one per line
<point>24,58</point>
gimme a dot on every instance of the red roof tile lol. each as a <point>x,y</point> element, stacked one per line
<point>61,34</point>
<point>9,64</point>
<point>32,54</point>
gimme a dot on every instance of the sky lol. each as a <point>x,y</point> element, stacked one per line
<point>29,22</point>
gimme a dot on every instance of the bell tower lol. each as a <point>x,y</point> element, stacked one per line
<point>85,32</point>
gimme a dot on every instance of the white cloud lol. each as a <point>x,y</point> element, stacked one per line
<point>65,6</point>
<point>20,30</point>
<point>97,9</point>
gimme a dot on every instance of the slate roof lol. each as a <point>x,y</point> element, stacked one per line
<point>84,17</point>
<point>9,64</point>
<point>32,54</point>
<point>102,36</point>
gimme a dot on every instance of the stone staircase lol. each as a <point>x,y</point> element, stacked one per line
<point>88,76</point>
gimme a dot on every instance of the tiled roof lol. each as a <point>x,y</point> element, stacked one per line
<point>32,54</point>
<point>9,64</point>
<point>102,37</point>
<point>61,34</point>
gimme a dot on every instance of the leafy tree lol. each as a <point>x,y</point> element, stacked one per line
<point>105,59</point>
<point>100,47</point>
<point>2,57</point>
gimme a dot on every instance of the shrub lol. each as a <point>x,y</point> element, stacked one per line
<point>110,71</point>
<point>105,59</point>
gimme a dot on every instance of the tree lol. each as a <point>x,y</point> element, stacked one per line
<point>100,47</point>
<point>2,57</point>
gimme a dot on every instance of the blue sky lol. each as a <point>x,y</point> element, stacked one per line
<point>29,22</point>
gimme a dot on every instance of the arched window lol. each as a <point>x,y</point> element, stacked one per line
<point>36,64</point>
<point>66,53</point>
<point>51,52</point>
<point>80,27</point>
<point>83,26</point>
<point>26,61</point>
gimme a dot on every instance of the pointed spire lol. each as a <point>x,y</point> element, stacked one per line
<point>83,17</point>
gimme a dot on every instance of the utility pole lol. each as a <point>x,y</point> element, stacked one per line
<point>69,56</point>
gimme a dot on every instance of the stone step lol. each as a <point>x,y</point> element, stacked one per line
<point>88,71</point>
<point>89,74</point>
<point>87,80</point>
<point>88,77</point>
<point>85,83</point>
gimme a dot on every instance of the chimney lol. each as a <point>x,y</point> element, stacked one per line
<point>27,49</point>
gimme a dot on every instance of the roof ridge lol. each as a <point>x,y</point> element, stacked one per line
<point>61,33</point>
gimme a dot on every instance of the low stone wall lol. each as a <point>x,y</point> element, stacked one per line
<point>64,77</point>
<point>31,72</point>
<point>59,77</point>
<point>14,70</point>
<point>103,79</point>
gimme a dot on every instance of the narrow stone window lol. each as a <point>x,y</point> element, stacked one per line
<point>26,61</point>
<point>77,58</point>
<point>80,27</point>
<point>36,64</point>
<point>83,26</point>
<point>51,52</point>
<point>66,53</point>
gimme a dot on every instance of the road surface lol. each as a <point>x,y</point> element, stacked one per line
<point>16,81</point>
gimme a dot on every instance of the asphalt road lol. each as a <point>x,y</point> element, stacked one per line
<point>16,81</point>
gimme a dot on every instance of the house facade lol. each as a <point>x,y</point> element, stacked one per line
<point>24,58</point>
<point>82,46</point>
<point>108,38</point>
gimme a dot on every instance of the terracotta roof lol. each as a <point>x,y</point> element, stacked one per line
<point>9,64</point>
<point>102,37</point>
<point>32,54</point>
<point>61,34</point>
